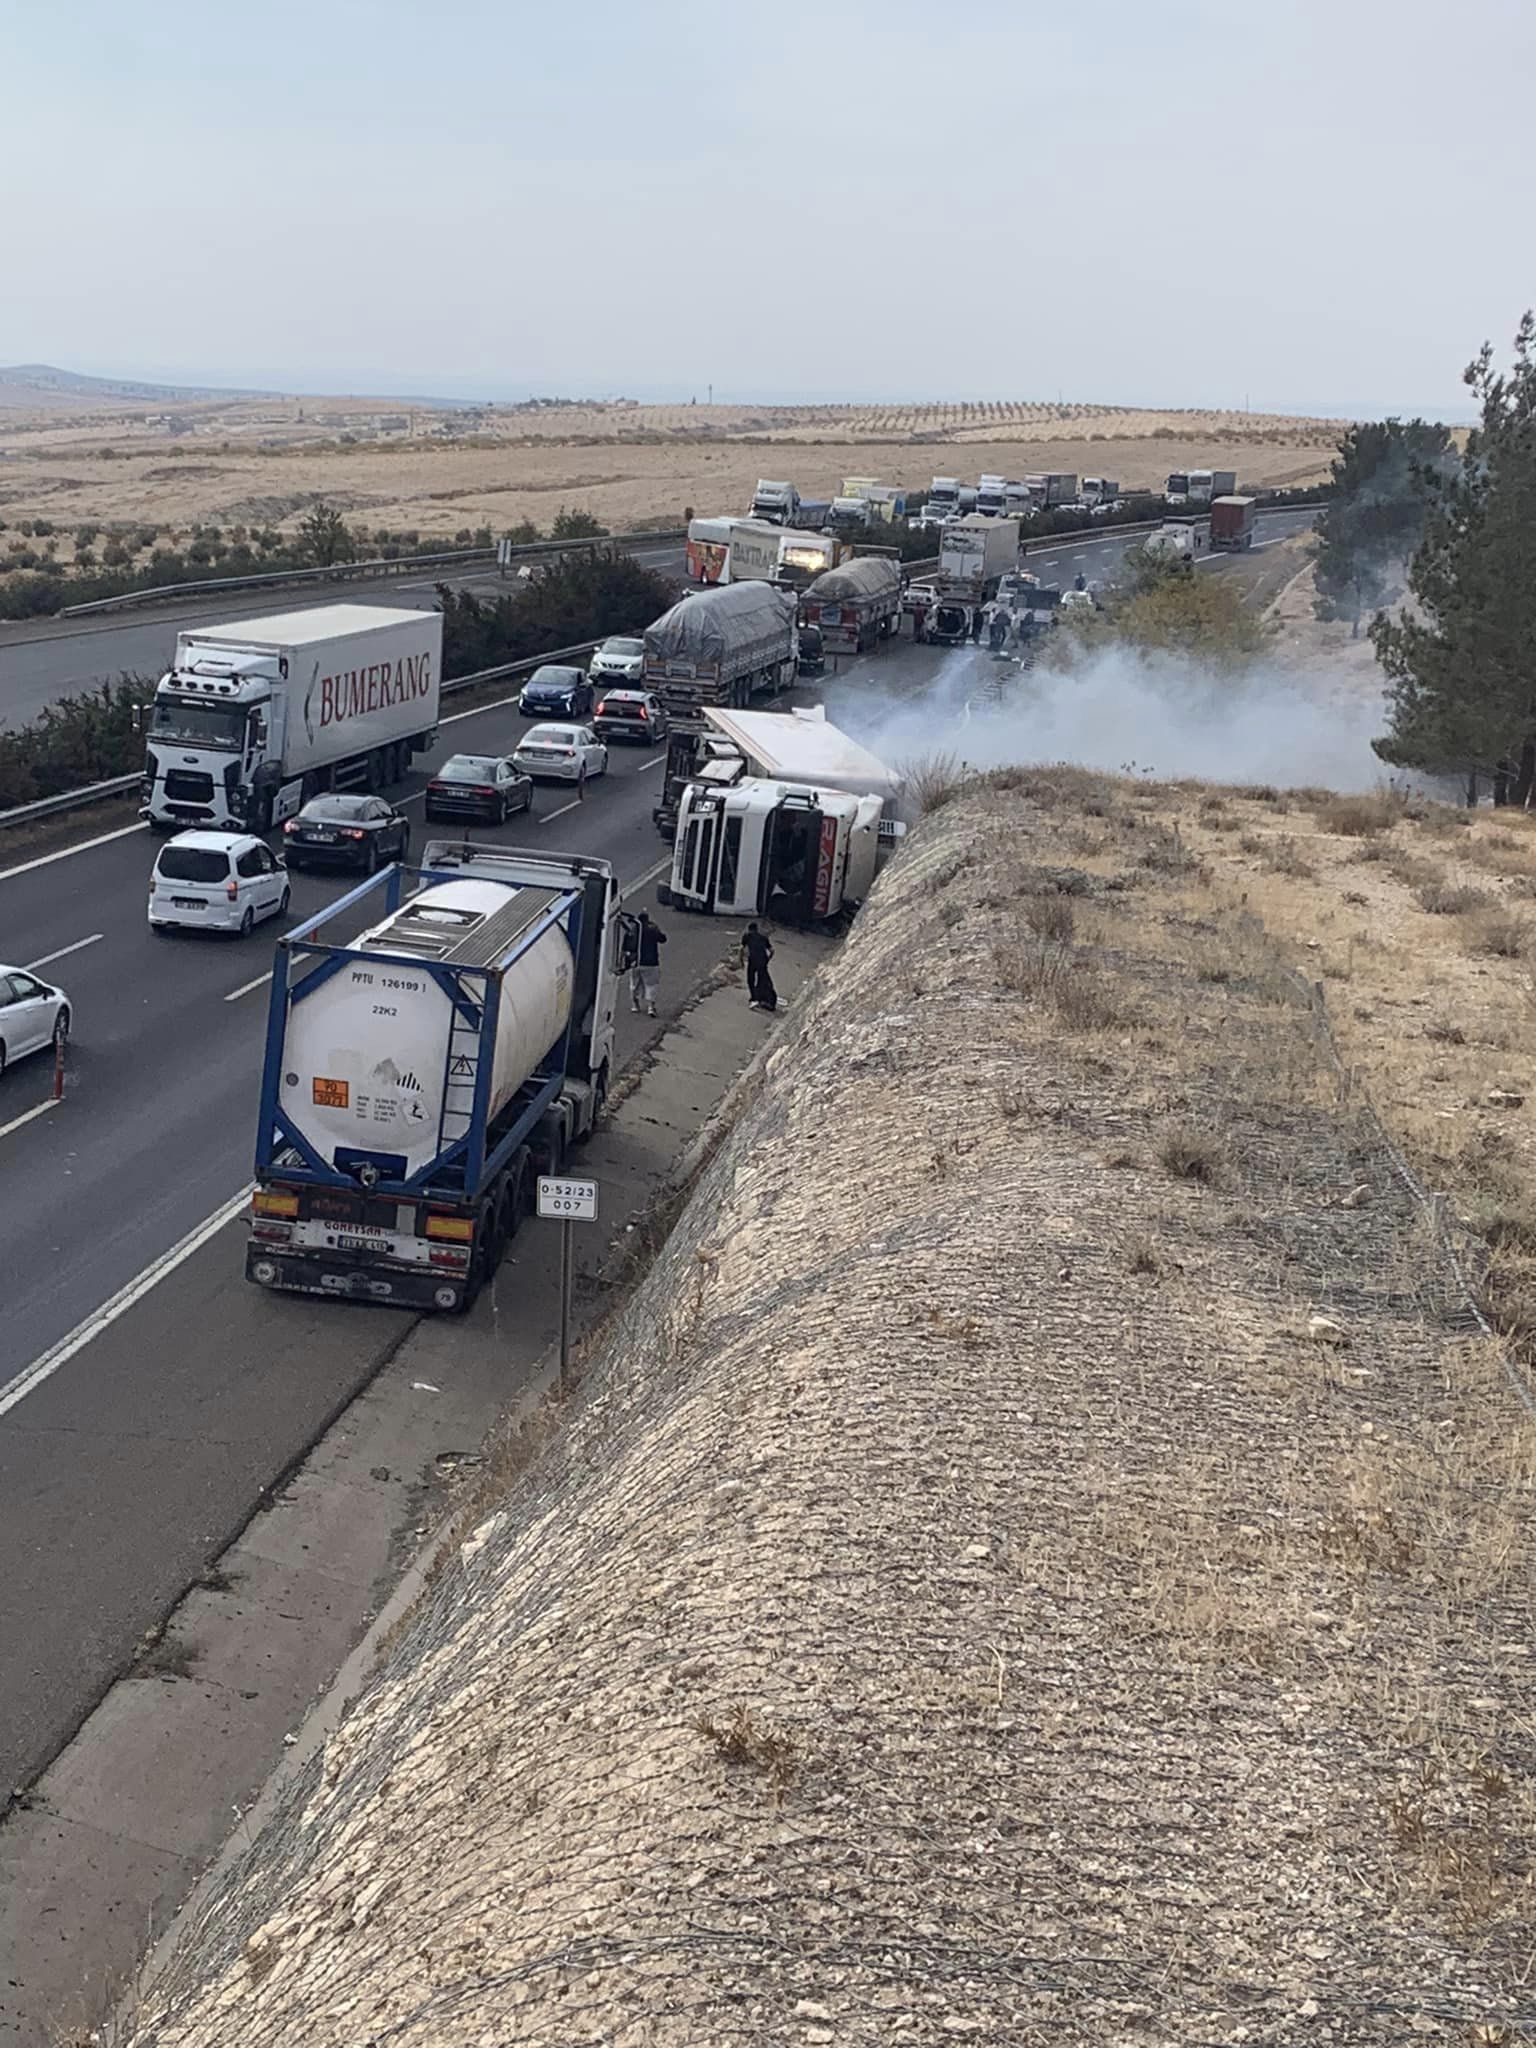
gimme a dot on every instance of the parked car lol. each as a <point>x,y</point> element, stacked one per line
<point>555,689</point>
<point>618,660</point>
<point>347,832</point>
<point>33,1014</point>
<point>563,753</point>
<point>923,592</point>
<point>216,882</point>
<point>487,786</point>
<point>630,715</point>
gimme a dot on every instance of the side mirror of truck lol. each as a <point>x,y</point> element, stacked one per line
<point>139,718</point>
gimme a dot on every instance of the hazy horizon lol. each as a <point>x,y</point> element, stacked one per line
<point>1207,209</point>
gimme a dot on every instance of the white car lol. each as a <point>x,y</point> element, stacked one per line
<point>619,660</point>
<point>216,882</point>
<point>33,1014</point>
<point>562,753</point>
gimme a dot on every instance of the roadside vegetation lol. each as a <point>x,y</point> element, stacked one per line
<point>1161,606</point>
<point>90,737</point>
<point>39,576</point>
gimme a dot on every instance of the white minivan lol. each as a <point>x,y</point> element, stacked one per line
<point>216,882</point>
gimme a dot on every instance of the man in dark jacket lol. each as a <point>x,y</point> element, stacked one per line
<point>756,952</point>
<point>645,975</point>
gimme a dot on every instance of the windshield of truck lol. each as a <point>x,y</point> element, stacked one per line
<point>192,864</point>
<point>187,724</point>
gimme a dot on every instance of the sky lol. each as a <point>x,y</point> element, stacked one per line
<point>1309,205</point>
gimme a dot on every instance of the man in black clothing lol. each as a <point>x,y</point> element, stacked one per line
<point>645,975</point>
<point>756,952</point>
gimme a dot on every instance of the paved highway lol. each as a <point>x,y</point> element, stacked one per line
<point>41,662</point>
<point>131,1453</point>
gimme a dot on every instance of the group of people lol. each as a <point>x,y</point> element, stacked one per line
<point>643,940</point>
<point>995,620</point>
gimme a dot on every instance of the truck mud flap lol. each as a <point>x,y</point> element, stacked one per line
<point>281,1273</point>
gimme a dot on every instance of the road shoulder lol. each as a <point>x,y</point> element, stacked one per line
<point>97,1855</point>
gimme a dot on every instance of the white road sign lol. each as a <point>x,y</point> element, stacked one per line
<point>571,1201</point>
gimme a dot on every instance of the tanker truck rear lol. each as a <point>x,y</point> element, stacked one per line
<point>419,1077</point>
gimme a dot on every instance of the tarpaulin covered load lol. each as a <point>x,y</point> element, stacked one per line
<point>864,577</point>
<point>722,626</point>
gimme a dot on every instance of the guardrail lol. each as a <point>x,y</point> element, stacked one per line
<point>384,565</point>
<point>124,785</point>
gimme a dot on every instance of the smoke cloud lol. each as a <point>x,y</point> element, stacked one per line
<point>1120,711</point>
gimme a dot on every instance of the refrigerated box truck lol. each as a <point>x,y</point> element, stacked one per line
<point>1232,524</point>
<point>254,718</point>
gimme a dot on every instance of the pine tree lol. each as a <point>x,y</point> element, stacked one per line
<point>1461,661</point>
<point>1365,535</point>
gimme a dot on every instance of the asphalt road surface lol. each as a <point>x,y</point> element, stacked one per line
<point>132,1452</point>
<point>43,661</point>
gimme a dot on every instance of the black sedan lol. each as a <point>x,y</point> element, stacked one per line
<point>479,786</point>
<point>346,832</point>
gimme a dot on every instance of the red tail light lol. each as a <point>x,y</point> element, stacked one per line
<point>354,832</point>
<point>232,890</point>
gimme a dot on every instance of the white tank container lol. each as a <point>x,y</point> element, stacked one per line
<point>366,1057</point>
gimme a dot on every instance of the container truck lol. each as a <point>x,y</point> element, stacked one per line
<point>1202,485</point>
<point>1232,524</point>
<point>418,1077</point>
<point>724,646</point>
<point>854,606</point>
<point>974,555</point>
<point>991,496</point>
<point>253,719</point>
<point>1060,487</point>
<point>1100,490</point>
<point>1018,500</point>
<point>804,746</point>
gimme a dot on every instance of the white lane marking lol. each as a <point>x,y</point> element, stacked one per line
<point>649,876</point>
<point>260,982</point>
<point>26,1117</point>
<point>43,1368</point>
<point>549,817</point>
<point>45,860</point>
<point>453,717</point>
<point>646,766</point>
<point>64,951</point>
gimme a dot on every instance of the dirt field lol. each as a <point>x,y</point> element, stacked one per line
<point>263,462</point>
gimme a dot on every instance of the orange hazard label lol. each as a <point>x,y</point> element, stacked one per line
<point>331,1094</point>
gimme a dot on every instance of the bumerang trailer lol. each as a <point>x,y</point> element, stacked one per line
<point>254,718</point>
<point>419,1077</point>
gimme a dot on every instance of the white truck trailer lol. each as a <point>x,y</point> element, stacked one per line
<point>974,555</point>
<point>254,718</point>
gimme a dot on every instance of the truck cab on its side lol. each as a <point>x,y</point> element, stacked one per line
<point>773,849</point>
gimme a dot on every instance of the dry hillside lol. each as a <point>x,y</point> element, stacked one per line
<point>406,467</point>
<point>1045,1558</point>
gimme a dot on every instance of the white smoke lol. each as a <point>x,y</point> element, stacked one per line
<point>1120,711</point>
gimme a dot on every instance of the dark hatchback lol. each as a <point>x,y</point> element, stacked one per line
<point>346,832</point>
<point>555,691</point>
<point>479,786</point>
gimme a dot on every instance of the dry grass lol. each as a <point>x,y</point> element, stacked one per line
<point>1188,1154</point>
<point>1500,934</point>
<point>1451,899</point>
<point>1358,817</point>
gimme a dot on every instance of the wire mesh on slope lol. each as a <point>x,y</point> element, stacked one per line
<point>988,1586</point>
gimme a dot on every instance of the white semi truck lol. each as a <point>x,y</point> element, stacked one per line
<point>974,555</point>
<point>254,718</point>
<point>790,828</point>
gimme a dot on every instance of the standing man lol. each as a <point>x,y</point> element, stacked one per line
<point>978,621</point>
<point>756,952</point>
<point>919,621</point>
<point>645,975</point>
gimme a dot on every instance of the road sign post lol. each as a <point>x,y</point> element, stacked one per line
<point>566,1202</point>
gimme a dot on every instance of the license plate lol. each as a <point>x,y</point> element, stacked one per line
<point>188,903</point>
<point>312,834</point>
<point>361,1244</point>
